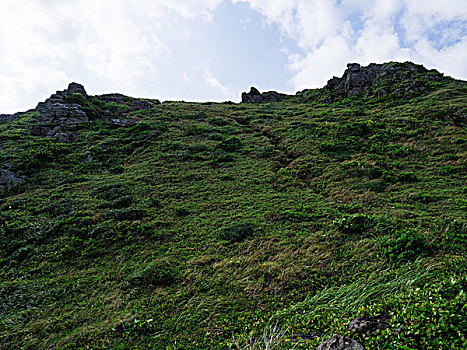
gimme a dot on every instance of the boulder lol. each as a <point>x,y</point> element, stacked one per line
<point>254,96</point>
<point>338,342</point>
<point>362,325</point>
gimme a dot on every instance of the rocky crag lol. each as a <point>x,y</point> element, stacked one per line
<point>383,79</point>
<point>254,96</point>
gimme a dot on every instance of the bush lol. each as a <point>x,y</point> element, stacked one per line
<point>230,144</point>
<point>403,245</point>
<point>447,170</point>
<point>237,232</point>
<point>129,214</point>
<point>424,198</point>
<point>156,274</point>
<point>356,223</point>
<point>220,156</point>
<point>119,203</point>
<point>406,176</point>
<point>111,191</point>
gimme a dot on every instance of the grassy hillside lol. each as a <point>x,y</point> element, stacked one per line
<point>204,224</point>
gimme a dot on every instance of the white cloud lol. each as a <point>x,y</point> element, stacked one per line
<point>149,47</point>
<point>112,44</point>
<point>332,33</point>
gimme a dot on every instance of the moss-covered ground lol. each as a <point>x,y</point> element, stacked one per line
<point>206,223</point>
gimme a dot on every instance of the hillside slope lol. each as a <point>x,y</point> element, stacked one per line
<point>129,223</point>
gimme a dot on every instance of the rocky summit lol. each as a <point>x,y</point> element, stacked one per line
<point>333,218</point>
<point>382,79</point>
<point>254,96</point>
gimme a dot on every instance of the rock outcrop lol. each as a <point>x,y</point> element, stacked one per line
<point>363,325</point>
<point>254,96</point>
<point>134,104</point>
<point>56,114</point>
<point>383,79</point>
<point>337,342</point>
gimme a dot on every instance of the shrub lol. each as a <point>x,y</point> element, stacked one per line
<point>237,232</point>
<point>129,214</point>
<point>406,176</point>
<point>220,156</point>
<point>231,144</point>
<point>455,237</point>
<point>377,186</point>
<point>446,170</point>
<point>156,273</point>
<point>403,245</point>
<point>356,223</point>
<point>119,203</point>
<point>111,191</point>
<point>116,108</point>
<point>181,211</point>
<point>424,198</point>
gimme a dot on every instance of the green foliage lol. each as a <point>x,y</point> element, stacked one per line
<point>230,144</point>
<point>360,224</point>
<point>208,222</point>
<point>237,232</point>
<point>154,274</point>
<point>116,108</point>
<point>404,245</point>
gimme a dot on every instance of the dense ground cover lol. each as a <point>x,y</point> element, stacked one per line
<point>206,223</point>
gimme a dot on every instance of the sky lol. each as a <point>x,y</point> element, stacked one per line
<point>212,50</point>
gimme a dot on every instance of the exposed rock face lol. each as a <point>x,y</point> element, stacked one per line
<point>362,325</point>
<point>383,77</point>
<point>134,104</point>
<point>337,342</point>
<point>56,114</point>
<point>9,178</point>
<point>254,96</point>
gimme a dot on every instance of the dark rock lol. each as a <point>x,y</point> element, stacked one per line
<point>254,96</point>
<point>60,113</point>
<point>57,114</point>
<point>363,325</point>
<point>337,342</point>
<point>9,178</point>
<point>108,98</point>
<point>138,105</point>
<point>133,103</point>
<point>385,78</point>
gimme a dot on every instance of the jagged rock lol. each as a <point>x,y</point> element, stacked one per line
<point>362,325</point>
<point>358,79</point>
<point>9,178</point>
<point>254,96</point>
<point>60,113</point>
<point>337,342</point>
<point>56,113</point>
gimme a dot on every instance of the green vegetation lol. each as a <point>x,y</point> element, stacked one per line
<point>206,223</point>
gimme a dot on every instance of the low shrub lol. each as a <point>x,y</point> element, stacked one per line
<point>123,214</point>
<point>403,245</point>
<point>231,144</point>
<point>237,232</point>
<point>356,223</point>
<point>156,273</point>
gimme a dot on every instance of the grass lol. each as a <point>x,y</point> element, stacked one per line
<point>204,225</point>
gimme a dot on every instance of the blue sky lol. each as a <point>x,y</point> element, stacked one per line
<point>212,50</point>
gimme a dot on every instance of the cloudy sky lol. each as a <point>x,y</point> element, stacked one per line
<point>199,50</point>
